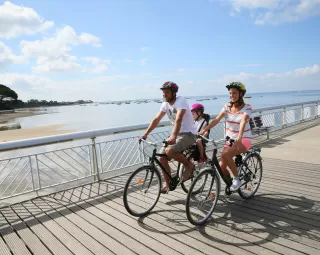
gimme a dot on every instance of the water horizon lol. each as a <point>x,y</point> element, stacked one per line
<point>100,115</point>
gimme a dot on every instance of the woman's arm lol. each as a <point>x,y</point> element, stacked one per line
<point>213,123</point>
<point>242,125</point>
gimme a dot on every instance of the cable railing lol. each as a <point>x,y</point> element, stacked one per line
<point>41,165</point>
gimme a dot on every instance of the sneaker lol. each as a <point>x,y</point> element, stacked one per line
<point>235,184</point>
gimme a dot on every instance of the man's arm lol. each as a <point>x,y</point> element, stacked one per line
<point>154,123</point>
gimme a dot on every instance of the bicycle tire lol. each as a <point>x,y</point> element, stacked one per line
<point>212,178</point>
<point>244,174</point>
<point>126,194</point>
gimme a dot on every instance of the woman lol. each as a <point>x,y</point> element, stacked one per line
<point>237,114</point>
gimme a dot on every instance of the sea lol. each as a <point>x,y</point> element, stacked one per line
<point>102,115</point>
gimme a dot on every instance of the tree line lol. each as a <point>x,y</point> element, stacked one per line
<point>9,100</point>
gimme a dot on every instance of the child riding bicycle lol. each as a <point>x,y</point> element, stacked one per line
<point>201,121</point>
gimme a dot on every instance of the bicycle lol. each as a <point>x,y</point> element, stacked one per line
<point>138,180</point>
<point>209,183</point>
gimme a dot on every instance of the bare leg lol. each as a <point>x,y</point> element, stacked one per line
<point>164,161</point>
<point>183,160</point>
<point>200,147</point>
<point>228,154</point>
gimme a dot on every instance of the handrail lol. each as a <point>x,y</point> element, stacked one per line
<point>108,131</point>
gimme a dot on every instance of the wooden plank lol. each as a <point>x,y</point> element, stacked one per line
<point>108,241</point>
<point>181,237</point>
<point>31,240</point>
<point>111,230</point>
<point>77,241</point>
<point>146,237</point>
<point>4,250</point>
<point>13,241</point>
<point>32,221</point>
<point>239,230</point>
<point>180,227</point>
<point>166,243</point>
<point>277,188</point>
<point>280,240</point>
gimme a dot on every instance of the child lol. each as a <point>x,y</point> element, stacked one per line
<point>201,121</point>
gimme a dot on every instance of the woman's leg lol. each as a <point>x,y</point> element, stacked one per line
<point>227,156</point>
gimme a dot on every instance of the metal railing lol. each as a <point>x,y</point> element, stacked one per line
<point>51,162</point>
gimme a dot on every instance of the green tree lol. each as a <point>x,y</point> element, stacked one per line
<point>7,94</point>
<point>7,97</point>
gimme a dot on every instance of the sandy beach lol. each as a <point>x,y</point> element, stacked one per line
<point>20,113</point>
<point>26,133</point>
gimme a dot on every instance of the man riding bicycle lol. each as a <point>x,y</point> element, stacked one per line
<point>183,134</point>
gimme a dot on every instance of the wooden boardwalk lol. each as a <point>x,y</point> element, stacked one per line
<point>283,218</point>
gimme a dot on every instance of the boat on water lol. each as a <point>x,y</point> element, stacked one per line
<point>247,97</point>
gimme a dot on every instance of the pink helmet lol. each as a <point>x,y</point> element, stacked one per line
<point>197,107</point>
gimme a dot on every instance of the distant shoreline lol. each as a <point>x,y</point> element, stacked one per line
<point>20,113</point>
<point>28,133</point>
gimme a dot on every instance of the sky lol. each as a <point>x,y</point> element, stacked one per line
<point>125,49</point>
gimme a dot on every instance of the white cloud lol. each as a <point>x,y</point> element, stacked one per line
<point>238,5</point>
<point>306,77</point>
<point>7,57</point>
<point>53,52</point>
<point>278,11</point>
<point>100,65</point>
<point>127,61</point>
<point>108,87</point>
<point>58,44</point>
<point>145,49</point>
<point>62,63</point>
<point>18,20</point>
<point>180,70</point>
<point>143,61</point>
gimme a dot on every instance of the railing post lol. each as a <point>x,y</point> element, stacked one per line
<point>284,117</point>
<point>32,175</point>
<point>316,111</point>
<point>302,113</point>
<point>38,173</point>
<point>94,161</point>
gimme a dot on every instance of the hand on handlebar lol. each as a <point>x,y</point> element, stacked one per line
<point>171,140</point>
<point>143,137</point>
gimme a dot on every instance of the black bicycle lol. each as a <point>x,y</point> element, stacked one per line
<point>143,187</point>
<point>201,204</point>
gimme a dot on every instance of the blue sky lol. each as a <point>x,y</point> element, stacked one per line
<point>116,49</point>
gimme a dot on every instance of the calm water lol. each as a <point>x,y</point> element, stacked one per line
<point>90,117</point>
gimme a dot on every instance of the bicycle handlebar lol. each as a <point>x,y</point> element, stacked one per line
<point>153,143</point>
<point>215,143</point>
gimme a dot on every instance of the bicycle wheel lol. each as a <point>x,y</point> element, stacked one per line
<point>142,191</point>
<point>200,205</point>
<point>250,175</point>
<point>186,185</point>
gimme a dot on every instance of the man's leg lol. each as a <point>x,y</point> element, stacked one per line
<point>164,161</point>
<point>184,141</point>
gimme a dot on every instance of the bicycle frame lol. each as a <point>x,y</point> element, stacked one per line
<point>215,162</point>
<point>153,160</point>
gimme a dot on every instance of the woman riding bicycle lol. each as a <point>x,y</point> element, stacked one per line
<point>237,114</point>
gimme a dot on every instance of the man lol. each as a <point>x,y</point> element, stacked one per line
<point>183,134</point>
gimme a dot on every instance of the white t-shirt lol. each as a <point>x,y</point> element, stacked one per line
<point>187,123</point>
<point>198,124</point>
